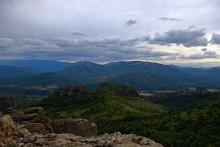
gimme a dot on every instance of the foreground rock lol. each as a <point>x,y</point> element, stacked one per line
<point>36,128</point>
<point>7,127</point>
<point>79,127</point>
<point>80,133</point>
<point>105,140</point>
<point>69,133</point>
<point>24,114</point>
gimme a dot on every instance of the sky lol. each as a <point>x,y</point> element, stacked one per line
<point>181,32</point>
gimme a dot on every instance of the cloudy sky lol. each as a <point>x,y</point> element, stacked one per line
<point>182,32</point>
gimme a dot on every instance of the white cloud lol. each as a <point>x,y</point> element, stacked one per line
<point>5,42</point>
<point>96,30</point>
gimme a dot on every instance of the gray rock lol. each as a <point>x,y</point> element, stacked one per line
<point>36,128</point>
<point>24,114</point>
<point>41,142</point>
<point>21,145</point>
<point>61,142</point>
<point>128,145</point>
<point>29,145</point>
<point>7,126</point>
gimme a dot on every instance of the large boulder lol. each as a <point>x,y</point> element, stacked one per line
<point>24,114</point>
<point>7,126</point>
<point>33,110</point>
<point>26,117</point>
<point>105,140</point>
<point>79,127</point>
<point>36,128</point>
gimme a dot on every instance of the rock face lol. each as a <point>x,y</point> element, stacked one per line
<point>18,135</point>
<point>7,127</point>
<point>24,114</point>
<point>105,140</point>
<point>33,110</point>
<point>37,128</point>
<point>79,127</point>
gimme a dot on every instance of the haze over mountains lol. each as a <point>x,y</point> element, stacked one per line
<point>44,76</point>
<point>40,65</point>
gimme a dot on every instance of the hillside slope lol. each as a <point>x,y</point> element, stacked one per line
<point>119,108</point>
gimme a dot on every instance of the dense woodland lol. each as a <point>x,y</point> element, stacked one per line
<point>120,108</point>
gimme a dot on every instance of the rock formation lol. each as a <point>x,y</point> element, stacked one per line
<point>7,127</point>
<point>36,128</point>
<point>79,127</point>
<point>66,133</point>
<point>24,114</point>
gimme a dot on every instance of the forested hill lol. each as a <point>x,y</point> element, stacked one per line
<point>144,76</point>
<point>119,108</point>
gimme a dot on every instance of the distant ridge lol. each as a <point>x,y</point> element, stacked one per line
<point>144,76</point>
<point>41,65</point>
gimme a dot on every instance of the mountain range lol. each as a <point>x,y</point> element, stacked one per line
<point>42,76</point>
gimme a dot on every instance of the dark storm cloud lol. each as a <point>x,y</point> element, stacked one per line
<point>131,22</point>
<point>91,49</point>
<point>95,42</point>
<point>187,38</point>
<point>169,19</point>
<point>215,38</point>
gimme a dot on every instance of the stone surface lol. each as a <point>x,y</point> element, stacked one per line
<point>105,140</point>
<point>41,142</point>
<point>29,145</point>
<point>24,114</point>
<point>23,117</point>
<point>81,133</point>
<point>79,127</point>
<point>36,128</point>
<point>7,126</point>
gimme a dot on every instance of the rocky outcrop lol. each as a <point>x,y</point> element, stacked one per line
<point>1,114</point>
<point>79,127</point>
<point>24,114</point>
<point>36,128</point>
<point>18,135</point>
<point>33,110</point>
<point>70,90</point>
<point>7,127</point>
<point>105,140</point>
